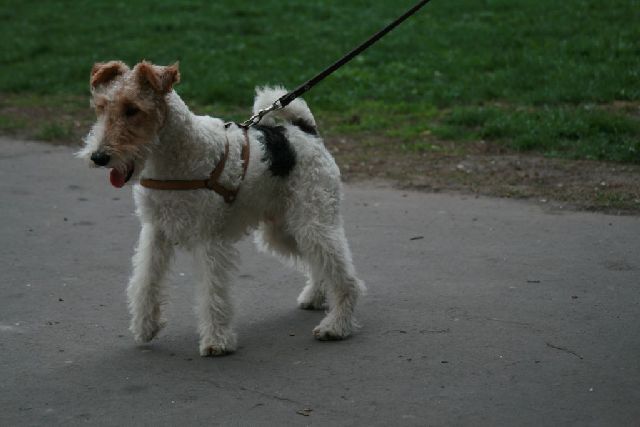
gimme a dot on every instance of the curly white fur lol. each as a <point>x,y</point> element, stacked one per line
<point>296,110</point>
<point>296,217</point>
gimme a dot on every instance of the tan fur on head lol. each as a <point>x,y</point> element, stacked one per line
<point>102,73</point>
<point>132,120</point>
<point>130,105</point>
<point>160,78</point>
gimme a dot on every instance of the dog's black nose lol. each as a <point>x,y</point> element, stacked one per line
<point>100,158</point>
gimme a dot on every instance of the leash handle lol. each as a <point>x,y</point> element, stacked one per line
<point>305,87</point>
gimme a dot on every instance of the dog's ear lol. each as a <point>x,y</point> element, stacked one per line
<point>161,79</point>
<point>104,72</point>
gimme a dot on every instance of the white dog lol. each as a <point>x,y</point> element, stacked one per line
<point>202,185</point>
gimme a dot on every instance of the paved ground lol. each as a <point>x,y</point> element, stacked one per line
<point>480,312</point>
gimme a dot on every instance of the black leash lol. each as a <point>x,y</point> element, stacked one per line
<point>305,87</point>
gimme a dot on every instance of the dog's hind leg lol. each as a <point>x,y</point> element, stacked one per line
<point>273,238</point>
<point>326,249</point>
<point>214,308</point>
<point>313,295</point>
<point>146,286</point>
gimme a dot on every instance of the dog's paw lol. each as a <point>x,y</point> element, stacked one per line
<point>311,299</point>
<point>318,304</point>
<point>331,329</point>
<point>215,351</point>
<point>146,330</point>
<point>220,345</point>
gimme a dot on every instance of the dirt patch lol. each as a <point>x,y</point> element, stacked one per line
<point>628,107</point>
<point>488,170</point>
<point>471,168</point>
<point>57,120</point>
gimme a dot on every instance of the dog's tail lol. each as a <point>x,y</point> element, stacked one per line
<point>297,112</point>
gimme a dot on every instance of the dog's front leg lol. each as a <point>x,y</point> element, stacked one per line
<point>146,287</point>
<point>214,308</point>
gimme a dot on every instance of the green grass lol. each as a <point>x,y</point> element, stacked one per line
<point>11,124</point>
<point>54,132</point>
<point>587,132</point>
<point>533,75</point>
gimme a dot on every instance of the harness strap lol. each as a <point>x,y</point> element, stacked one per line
<point>210,183</point>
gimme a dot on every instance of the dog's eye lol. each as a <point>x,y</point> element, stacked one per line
<point>131,111</point>
<point>98,106</point>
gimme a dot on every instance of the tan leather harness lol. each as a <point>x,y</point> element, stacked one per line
<point>210,183</point>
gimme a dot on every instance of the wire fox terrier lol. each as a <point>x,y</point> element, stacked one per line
<point>276,178</point>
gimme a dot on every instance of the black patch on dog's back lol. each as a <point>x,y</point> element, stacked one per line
<point>305,127</point>
<point>278,151</point>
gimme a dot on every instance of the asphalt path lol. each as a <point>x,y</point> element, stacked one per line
<point>480,312</point>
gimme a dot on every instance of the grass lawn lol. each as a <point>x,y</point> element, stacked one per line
<point>536,75</point>
<point>559,79</point>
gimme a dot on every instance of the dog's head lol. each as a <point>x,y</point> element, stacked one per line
<point>130,106</point>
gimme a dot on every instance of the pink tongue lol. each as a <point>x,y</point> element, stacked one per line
<point>117,178</point>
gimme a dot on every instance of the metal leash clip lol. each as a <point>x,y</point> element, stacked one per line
<point>255,119</point>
